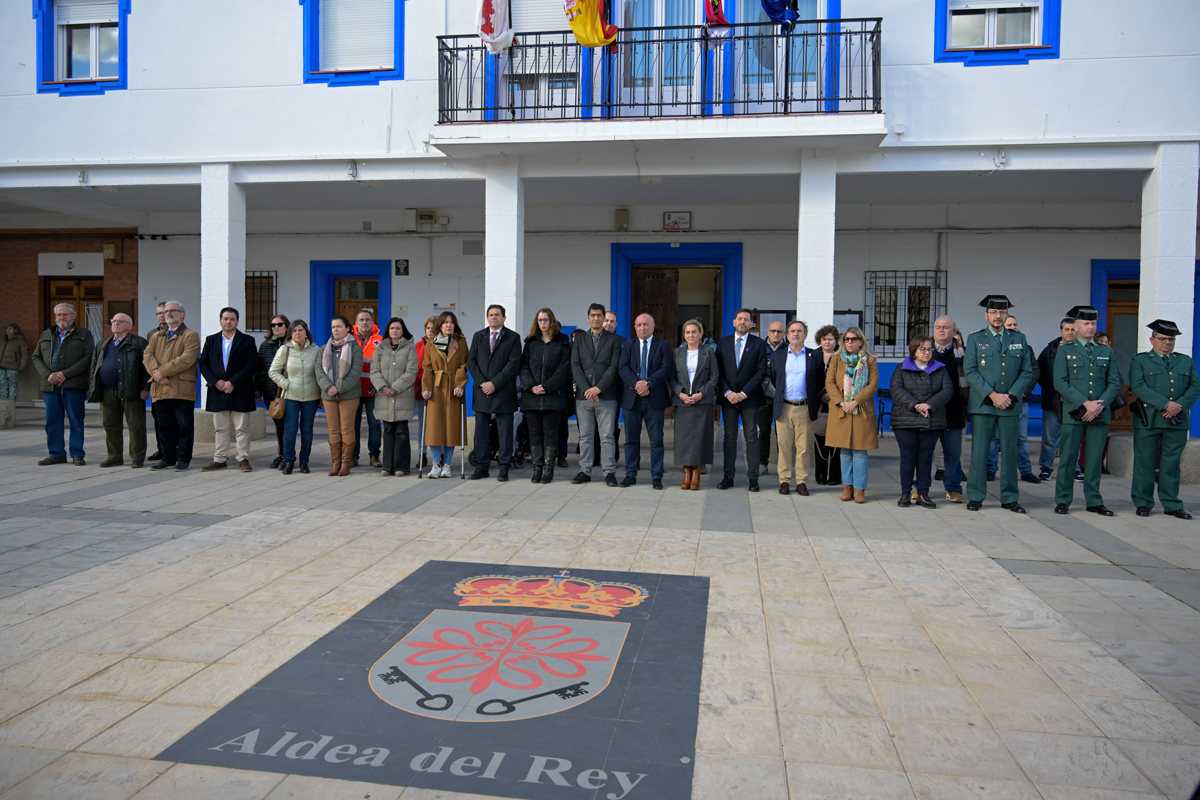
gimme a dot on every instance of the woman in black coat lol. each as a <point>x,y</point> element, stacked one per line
<point>921,388</point>
<point>281,328</point>
<point>545,372</point>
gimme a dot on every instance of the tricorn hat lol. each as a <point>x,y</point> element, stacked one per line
<point>1084,313</point>
<point>1164,327</point>
<point>998,301</point>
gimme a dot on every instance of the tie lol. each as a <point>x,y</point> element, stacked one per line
<point>645,358</point>
<point>737,356</point>
<point>493,349</point>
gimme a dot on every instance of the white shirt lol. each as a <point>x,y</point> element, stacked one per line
<point>797,372</point>
<point>693,361</point>
<point>226,346</point>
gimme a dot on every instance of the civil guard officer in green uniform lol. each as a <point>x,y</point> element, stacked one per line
<point>1166,386</point>
<point>1087,380</point>
<point>999,371</point>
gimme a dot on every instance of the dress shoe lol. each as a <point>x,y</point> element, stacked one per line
<point>940,475</point>
<point>753,487</point>
<point>1142,511</point>
<point>537,475</point>
<point>548,474</point>
<point>610,480</point>
<point>1044,475</point>
<point>1178,513</point>
<point>136,464</point>
<point>163,465</point>
<point>288,466</point>
<point>304,468</point>
<point>155,456</point>
<point>581,477</point>
<point>860,496</point>
<point>1016,508</point>
<point>656,483</point>
<point>726,483</point>
<point>785,489</point>
<point>847,494</point>
<point>1062,508</point>
<point>478,473</point>
<point>628,481</point>
<point>244,466</point>
<point>182,466</point>
<point>503,476</point>
<point>924,502</point>
<point>974,505</point>
<point>905,501</point>
<point>112,462</point>
<point>991,476</point>
<point>375,462</point>
<point>1029,477</point>
<point>802,489</point>
<point>277,462</point>
<point>79,462</point>
<point>214,466</point>
<point>561,463</point>
<point>914,494</point>
<point>954,497</point>
<point>1101,509</point>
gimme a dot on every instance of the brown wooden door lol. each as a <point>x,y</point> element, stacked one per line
<point>656,292</point>
<point>86,294</point>
<point>1122,329</point>
<point>351,295</point>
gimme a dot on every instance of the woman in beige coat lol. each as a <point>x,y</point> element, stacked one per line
<point>393,373</point>
<point>850,382</point>
<point>443,384</point>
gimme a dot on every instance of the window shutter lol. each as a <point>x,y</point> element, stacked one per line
<point>85,12</point>
<point>532,16</point>
<point>357,34</point>
<point>977,5</point>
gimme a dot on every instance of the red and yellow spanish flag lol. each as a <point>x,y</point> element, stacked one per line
<point>588,21</point>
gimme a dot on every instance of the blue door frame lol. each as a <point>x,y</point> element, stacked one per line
<point>321,278</point>
<point>727,255</point>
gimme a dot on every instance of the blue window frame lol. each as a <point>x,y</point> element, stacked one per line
<point>65,50</point>
<point>315,73</point>
<point>1048,28</point>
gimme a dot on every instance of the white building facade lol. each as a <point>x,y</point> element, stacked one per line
<point>881,162</point>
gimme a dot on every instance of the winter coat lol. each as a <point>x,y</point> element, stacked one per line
<point>266,357</point>
<point>14,352</point>
<point>73,358</point>
<point>547,364</point>
<point>132,378</point>
<point>395,367</point>
<point>851,431</point>
<point>175,358</point>
<point>294,372</point>
<point>911,386</point>
<point>442,374</point>
<point>349,387</point>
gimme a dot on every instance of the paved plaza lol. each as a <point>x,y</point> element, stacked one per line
<point>850,651</point>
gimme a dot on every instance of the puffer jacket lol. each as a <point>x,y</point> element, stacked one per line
<point>132,378</point>
<point>73,358</point>
<point>14,352</point>
<point>911,386</point>
<point>547,364</point>
<point>294,371</point>
<point>395,367</point>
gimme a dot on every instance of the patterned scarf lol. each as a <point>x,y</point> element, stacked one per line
<point>856,374</point>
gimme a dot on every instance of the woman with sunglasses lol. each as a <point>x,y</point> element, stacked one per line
<point>274,339</point>
<point>850,382</point>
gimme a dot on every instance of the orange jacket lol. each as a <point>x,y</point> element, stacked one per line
<point>368,346</point>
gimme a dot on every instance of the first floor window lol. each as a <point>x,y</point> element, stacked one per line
<point>900,304</point>
<point>87,40</point>
<point>261,289</point>
<point>358,35</point>
<point>982,24</point>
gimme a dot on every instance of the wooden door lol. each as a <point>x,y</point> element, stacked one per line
<point>85,294</point>
<point>351,295</point>
<point>1122,329</point>
<point>656,292</point>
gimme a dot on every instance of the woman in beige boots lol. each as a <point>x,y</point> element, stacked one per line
<point>338,372</point>
<point>850,382</point>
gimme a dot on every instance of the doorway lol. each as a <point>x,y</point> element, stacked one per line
<point>675,294</point>
<point>86,294</point>
<point>1121,325</point>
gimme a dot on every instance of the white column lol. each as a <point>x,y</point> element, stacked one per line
<point>815,238</point>
<point>222,248</point>
<point>504,241</point>
<point>1168,247</point>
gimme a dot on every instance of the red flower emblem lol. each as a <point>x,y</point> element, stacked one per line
<point>514,656</point>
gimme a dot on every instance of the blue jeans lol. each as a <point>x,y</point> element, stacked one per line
<point>374,429</point>
<point>654,419</point>
<point>951,440</point>
<point>70,403</point>
<point>1022,445</point>
<point>1051,436</point>
<point>299,417</point>
<point>441,453</point>
<point>855,469</point>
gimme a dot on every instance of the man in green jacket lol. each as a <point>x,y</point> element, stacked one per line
<point>1166,386</point>
<point>999,370</point>
<point>62,357</point>
<point>1087,380</point>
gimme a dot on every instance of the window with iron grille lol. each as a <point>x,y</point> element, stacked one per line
<point>261,287</point>
<point>900,304</point>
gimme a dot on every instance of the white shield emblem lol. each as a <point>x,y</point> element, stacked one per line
<point>471,666</point>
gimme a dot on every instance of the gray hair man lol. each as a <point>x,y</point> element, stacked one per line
<point>62,357</point>
<point>947,351</point>
<point>119,382</point>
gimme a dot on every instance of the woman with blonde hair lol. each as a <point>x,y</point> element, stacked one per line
<point>694,393</point>
<point>851,382</point>
<point>443,384</point>
<point>545,372</point>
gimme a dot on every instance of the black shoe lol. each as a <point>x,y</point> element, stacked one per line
<point>548,474</point>
<point>1062,508</point>
<point>155,456</point>
<point>924,502</point>
<point>503,475</point>
<point>277,462</point>
<point>1045,475</point>
<point>136,465</point>
<point>1142,511</point>
<point>726,483</point>
<point>610,480</point>
<point>1101,509</point>
<point>79,462</point>
<point>581,477</point>
<point>182,466</point>
<point>628,481</point>
<point>657,484</point>
<point>905,501</point>
<point>561,463</point>
<point>785,488</point>
<point>1016,508</point>
<point>753,487</point>
<point>112,462</point>
<point>537,475</point>
<point>304,468</point>
<point>214,466</point>
<point>1029,477</point>
<point>48,460</point>
<point>974,505</point>
<point>288,467</point>
<point>1178,513</point>
<point>991,476</point>
<point>940,475</point>
<point>164,465</point>
<point>387,473</point>
<point>478,473</point>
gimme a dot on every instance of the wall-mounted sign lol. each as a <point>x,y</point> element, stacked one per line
<point>677,221</point>
<point>401,267</point>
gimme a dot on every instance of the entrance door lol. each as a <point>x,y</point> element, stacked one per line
<point>673,295</point>
<point>352,295</point>
<point>86,294</point>
<point>1121,326</point>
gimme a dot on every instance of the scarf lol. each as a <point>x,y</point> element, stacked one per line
<point>344,358</point>
<point>442,342</point>
<point>856,374</point>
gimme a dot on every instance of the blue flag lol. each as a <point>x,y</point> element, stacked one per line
<point>781,11</point>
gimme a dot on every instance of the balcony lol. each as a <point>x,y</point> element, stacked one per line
<point>819,67</point>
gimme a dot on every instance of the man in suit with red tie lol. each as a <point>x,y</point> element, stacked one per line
<point>646,369</point>
<point>743,360</point>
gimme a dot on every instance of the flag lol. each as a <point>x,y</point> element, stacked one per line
<point>494,28</point>
<point>714,12</point>
<point>781,11</point>
<point>587,20</point>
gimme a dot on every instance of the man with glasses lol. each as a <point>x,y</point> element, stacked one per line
<point>171,361</point>
<point>1166,386</point>
<point>764,418</point>
<point>119,383</point>
<point>160,314</point>
<point>62,357</point>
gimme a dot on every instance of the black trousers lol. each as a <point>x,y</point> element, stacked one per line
<point>278,436</point>
<point>763,419</point>
<point>504,426</point>
<point>176,429</point>
<point>916,457</point>
<point>729,419</point>
<point>397,457</point>
<point>564,433</point>
<point>543,436</point>
<point>827,462</point>
<point>158,443</point>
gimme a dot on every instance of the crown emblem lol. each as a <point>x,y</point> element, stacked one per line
<point>557,592</point>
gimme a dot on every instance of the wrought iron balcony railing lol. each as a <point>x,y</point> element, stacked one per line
<point>817,67</point>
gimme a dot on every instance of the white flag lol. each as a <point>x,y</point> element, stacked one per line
<point>494,28</point>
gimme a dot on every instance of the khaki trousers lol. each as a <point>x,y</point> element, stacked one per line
<point>339,419</point>
<point>792,434</point>
<point>230,427</point>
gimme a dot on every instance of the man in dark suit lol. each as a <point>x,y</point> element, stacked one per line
<point>743,363</point>
<point>594,356</point>
<point>797,375</point>
<point>764,423</point>
<point>228,363</point>
<point>646,369</point>
<point>494,362</point>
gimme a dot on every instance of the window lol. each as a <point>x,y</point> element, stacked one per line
<point>353,42</point>
<point>983,32</point>
<point>81,45</point>
<point>900,304</point>
<point>261,287</point>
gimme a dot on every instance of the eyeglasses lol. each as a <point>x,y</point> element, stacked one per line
<point>924,349</point>
<point>850,339</point>
<point>278,324</point>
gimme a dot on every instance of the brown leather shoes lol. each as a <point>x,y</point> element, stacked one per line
<point>802,489</point>
<point>687,478</point>
<point>860,496</point>
<point>847,494</point>
<point>244,466</point>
